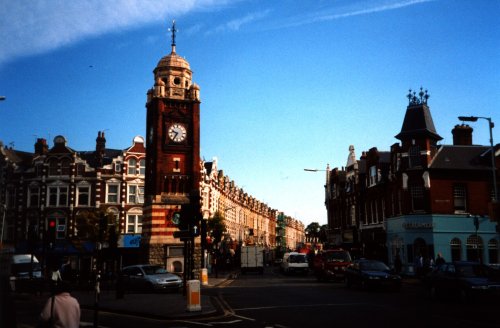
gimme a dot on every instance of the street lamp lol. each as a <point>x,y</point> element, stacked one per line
<point>493,166</point>
<point>2,98</point>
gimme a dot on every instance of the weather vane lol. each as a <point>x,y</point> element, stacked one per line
<point>173,30</point>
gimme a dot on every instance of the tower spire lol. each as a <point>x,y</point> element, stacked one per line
<point>173,30</point>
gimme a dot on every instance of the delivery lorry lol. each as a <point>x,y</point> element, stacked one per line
<point>252,259</point>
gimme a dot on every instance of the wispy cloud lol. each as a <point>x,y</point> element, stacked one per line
<point>235,24</point>
<point>354,8</point>
<point>31,27</point>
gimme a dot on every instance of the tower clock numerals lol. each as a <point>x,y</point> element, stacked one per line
<point>177,132</point>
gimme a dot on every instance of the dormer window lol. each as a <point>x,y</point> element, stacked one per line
<point>132,166</point>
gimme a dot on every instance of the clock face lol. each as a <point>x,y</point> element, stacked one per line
<point>177,132</point>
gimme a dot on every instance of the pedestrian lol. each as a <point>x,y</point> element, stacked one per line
<point>61,310</point>
<point>439,260</point>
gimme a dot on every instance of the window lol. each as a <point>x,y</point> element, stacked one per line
<point>65,166</point>
<point>456,249</point>
<point>459,198</point>
<point>80,169</point>
<point>474,248</point>
<point>112,193</point>
<point>83,196</point>
<point>11,197</point>
<point>118,167</point>
<point>414,156</point>
<point>134,222</point>
<point>53,167</point>
<point>135,194</point>
<point>58,196</point>
<point>417,197</point>
<point>33,197</point>
<point>132,166</point>
<point>142,167</point>
<point>373,175</point>
<point>493,251</point>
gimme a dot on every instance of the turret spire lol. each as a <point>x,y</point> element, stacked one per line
<point>173,30</point>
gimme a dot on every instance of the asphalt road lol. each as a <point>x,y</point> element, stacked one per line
<point>275,300</point>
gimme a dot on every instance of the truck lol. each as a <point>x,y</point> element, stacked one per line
<point>252,259</point>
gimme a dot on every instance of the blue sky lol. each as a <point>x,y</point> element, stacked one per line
<point>285,85</point>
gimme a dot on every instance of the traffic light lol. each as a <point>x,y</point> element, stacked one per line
<point>51,231</point>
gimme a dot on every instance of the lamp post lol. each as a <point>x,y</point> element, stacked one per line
<point>493,166</point>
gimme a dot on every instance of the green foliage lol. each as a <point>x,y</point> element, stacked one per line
<point>216,227</point>
<point>87,225</point>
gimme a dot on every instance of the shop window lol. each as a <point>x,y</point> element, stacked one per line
<point>493,251</point>
<point>474,248</point>
<point>456,249</point>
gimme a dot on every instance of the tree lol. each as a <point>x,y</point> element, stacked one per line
<point>88,225</point>
<point>312,231</point>
<point>216,227</point>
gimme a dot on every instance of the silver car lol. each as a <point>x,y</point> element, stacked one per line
<point>148,277</point>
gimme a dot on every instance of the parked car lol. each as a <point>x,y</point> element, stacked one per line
<point>371,274</point>
<point>148,277</point>
<point>331,264</point>
<point>294,262</point>
<point>467,281</point>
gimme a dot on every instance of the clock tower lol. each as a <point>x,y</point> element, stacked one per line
<point>173,154</point>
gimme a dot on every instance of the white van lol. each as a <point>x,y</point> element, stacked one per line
<point>21,265</point>
<point>294,262</point>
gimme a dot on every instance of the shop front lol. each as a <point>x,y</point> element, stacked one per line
<point>417,240</point>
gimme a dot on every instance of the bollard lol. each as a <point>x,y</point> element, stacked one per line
<point>204,277</point>
<point>193,296</point>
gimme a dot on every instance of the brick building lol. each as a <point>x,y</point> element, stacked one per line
<point>419,198</point>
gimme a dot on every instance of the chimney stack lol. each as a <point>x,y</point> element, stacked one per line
<point>462,135</point>
<point>41,147</point>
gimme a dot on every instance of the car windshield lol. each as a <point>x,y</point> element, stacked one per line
<point>298,259</point>
<point>153,269</point>
<point>470,271</point>
<point>373,266</point>
<point>339,256</point>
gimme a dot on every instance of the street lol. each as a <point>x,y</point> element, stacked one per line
<point>275,300</point>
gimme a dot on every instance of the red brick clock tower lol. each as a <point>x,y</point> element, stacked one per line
<point>173,154</point>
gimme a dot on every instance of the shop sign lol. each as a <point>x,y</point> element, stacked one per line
<point>130,241</point>
<point>418,225</point>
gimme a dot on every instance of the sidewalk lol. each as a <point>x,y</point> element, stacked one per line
<point>166,305</point>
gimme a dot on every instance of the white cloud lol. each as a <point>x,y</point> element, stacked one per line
<point>31,27</point>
